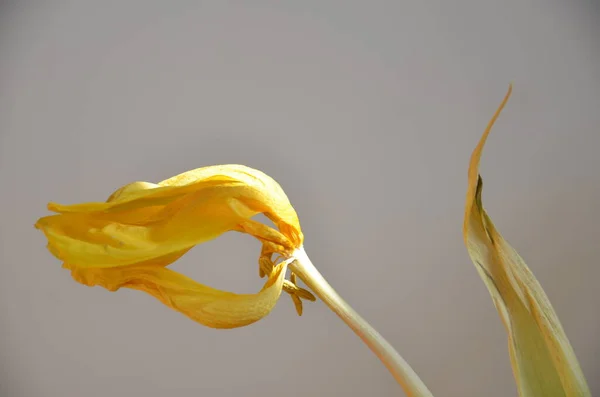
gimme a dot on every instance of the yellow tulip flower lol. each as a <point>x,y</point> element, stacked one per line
<point>129,240</point>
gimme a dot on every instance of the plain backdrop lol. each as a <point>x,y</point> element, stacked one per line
<point>366,112</point>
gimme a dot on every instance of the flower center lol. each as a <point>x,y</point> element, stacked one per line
<point>266,265</point>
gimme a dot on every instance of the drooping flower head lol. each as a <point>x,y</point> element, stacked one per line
<point>129,240</point>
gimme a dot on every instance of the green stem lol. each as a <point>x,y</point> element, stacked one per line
<point>407,378</point>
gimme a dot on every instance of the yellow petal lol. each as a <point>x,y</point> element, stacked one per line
<point>542,358</point>
<point>143,220</point>
<point>208,306</point>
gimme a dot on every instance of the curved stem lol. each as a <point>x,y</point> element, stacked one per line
<point>407,378</point>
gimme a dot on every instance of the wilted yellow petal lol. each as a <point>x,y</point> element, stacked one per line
<point>143,220</point>
<point>208,306</point>
<point>128,240</point>
<point>543,361</point>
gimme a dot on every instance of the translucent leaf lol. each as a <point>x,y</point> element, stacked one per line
<point>542,358</point>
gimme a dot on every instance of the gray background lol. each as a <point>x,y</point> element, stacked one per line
<point>366,113</point>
